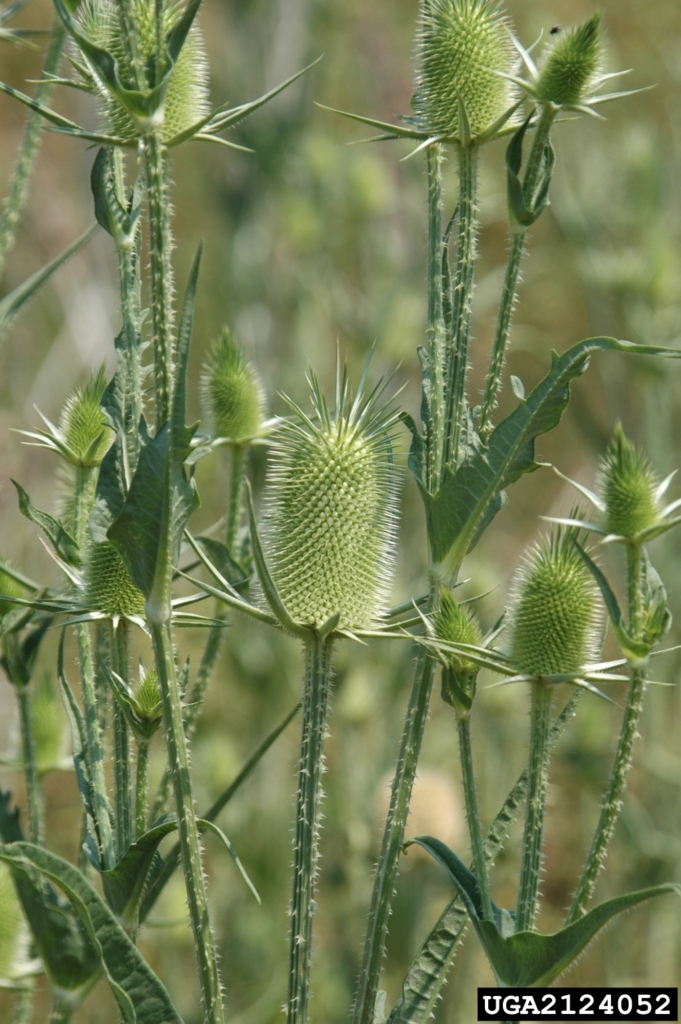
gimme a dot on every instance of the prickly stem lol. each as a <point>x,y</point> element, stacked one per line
<point>34,795</point>
<point>435,325</point>
<point>236,486</point>
<point>160,247</point>
<point>540,726</point>
<point>473,813</point>
<point>120,651</point>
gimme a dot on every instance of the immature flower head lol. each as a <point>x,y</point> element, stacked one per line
<point>186,100</point>
<point>108,586</point>
<point>456,624</point>
<point>628,489</point>
<point>231,391</point>
<point>555,613</point>
<point>571,65</point>
<point>82,424</point>
<point>462,45</point>
<point>330,510</point>
<point>142,707</point>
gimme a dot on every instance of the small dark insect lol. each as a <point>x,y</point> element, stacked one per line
<point>555,30</point>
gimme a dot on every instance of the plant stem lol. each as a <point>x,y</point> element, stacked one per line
<point>18,189</point>
<point>34,797</point>
<point>612,803</point>
<point>63,1008</point>
<point>120,657</point>
<point>23,1006</point>
<point>236,486</point>
<point>306,853</point>
<point>393,837</point>
<point>435,322</point>
<point>178,760</point>
<point>160,247</point>
<point>141,788</point>
<point>540,727</point>
<point>457,357</point>
<point>473,814</point>
<point>510,289</point>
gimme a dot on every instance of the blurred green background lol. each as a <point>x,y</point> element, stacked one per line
<point>311,242</point>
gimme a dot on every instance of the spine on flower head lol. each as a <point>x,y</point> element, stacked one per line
<point>231,392</point>
<point>463,49</point>
<point>330,510</point>
<point>571,64</point>
<point>82,424</point>
<point>555,610</point>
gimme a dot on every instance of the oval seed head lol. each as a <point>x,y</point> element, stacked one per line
<point>82,424</point>
<point>186,100</point>
<point>330,510</point>
<point>571,64</point>
<point>231,391</point>
<point>108,586</point>
<point>456,624</point>
<point>47,725</point>
<point>628,488</point>
<point>8,588</point>
<point>461,46</point>
<point>10,924</point>
<point>555,610</point>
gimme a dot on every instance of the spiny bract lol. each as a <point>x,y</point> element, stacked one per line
<point>461,46</point>
<point>186,100</point>
<point>555,610</point>
<point>231,391</point>
<point>82,424</point>
<point>571,64</point>
<point>627,488</point>
<point>108,586</point>
<point>330,510</point>
<point>456,624</point>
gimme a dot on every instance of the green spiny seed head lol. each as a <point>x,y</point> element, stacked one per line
<point>8,588</point>
<point>555,612</point>
<point>231,391</point>
<point>82,425</point>
<point>628,488</point>
<point>108,586</point>
<point>47,725</point>
<point>330,510</point>
<point>148,697</point>
<point>10,923</point>
<point>571,64</point>
<point>456,624</point>
<point>186,99</point>
<point>461,46</point>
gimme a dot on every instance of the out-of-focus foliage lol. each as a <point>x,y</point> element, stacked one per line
<point>306,242</point>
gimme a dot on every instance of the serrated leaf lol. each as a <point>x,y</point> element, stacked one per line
<point>141,997</point>
<point>527,959</point>
<point>454,513</point>
<point>61,540</point>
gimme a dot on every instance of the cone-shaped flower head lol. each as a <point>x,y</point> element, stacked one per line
<point>571,65</point>
<point>148,696</point>
<point>555,613</point>
<point>10,924</point>
<point>628,488</point>
<point>330,509</point>
<point>108,586</point>
<point>8,588</point>
<point>82,425</point>
<point>456,624</point>
<point>186,100</point>
<point>231,391</point>
<point>461,47</point>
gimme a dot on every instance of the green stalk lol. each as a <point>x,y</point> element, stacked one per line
<point>435,323</point>
<point>473,814</point>
<point>178,760</point>
<point>160,264</point>
<point>510,289</point>
<point>34,796</point>
<point>612,803</point>
<point>83,498</point>
<point>141,787</point>
<point>393,837</point>
<point>63,1007</point>
<point>540,728</point>
<point>315,703</point>
<point>236,486</point>
<point>18,189</point>
<point>457,357</point>
<point>23,1006</point>
<point>120,651</point>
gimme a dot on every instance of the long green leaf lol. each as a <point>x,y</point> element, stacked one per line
<point>61,540</point>
<point>124,883</point>
<point>142,998</point>
<point>455,511</point>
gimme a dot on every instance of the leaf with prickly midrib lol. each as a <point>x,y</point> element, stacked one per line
<point>456,510</point>
<point>528,959</point>
<point>142,998</point>
<point>61,540</point>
